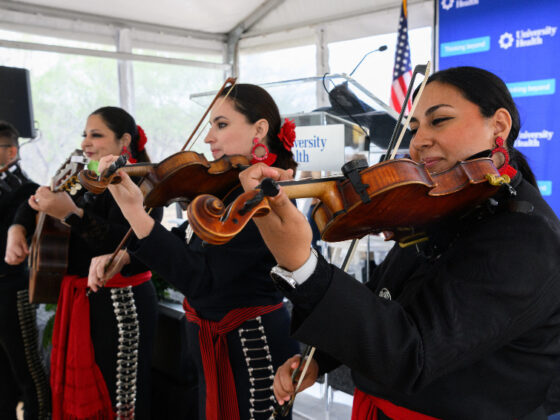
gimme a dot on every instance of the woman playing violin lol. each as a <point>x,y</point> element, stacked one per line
<point>102,345</point>
<point>463,326</point>
<point>237,326</point>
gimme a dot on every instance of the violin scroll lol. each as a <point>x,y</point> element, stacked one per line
<point>217,224</point>
<point>95,184</point>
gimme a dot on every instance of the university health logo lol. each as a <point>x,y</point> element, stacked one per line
<point>527,37</point>
<point>506,40</point>
<point>448,4</point>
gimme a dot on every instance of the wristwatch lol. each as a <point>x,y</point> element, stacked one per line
<point>287,281</point>
<point>71,219</point>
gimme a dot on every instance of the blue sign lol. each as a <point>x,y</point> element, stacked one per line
<point>519,41</point>
<point>465,46</point>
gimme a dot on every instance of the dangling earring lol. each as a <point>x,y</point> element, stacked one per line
<point>129,157</point>
<point>505,169</point>
<point>256,145</point>
<point>126,152</point>
<point>267,158</point>
<point>501,149</point>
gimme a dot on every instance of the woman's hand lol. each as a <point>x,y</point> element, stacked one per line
<point>285,229</point>
<point>16,245</point>
<point>126,193</point>
<point>130,200</point>
<point>284,388</point>
<point>55,204</point>
<point>99,273</point>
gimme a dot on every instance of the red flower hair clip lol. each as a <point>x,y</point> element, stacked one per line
<point>142,139</point>
<point>287,134</point>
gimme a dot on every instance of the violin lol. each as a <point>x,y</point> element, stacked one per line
<point>397,197</point>
<point>179,177</point>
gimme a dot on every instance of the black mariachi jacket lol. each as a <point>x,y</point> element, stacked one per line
<point>472,330</point>
<point>15,188</point>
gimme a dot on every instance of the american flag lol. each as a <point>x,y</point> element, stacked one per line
<point>402,72</point>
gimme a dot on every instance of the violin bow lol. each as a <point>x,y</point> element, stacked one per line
<point>392,148</point>
<point>395,142</point>
<point>231,80</point>
<point>121,245</point>
<point>309,351</point>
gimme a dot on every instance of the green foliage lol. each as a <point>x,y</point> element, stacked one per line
<point>50,307</point>
<point>161,286</point>
<point>48,331</point>
<point>49,326</point>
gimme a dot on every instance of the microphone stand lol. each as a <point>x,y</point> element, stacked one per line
<point>381,48</point>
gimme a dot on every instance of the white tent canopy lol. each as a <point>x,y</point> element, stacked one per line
<point>216,26</point>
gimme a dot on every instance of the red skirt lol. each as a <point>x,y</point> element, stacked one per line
<point>79,391</point>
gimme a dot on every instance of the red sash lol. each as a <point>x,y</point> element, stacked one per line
<point>366,407</point>
<point>221,398</point>
<point>79,391</point>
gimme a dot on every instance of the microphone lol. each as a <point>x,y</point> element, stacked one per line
<point>381,48</point>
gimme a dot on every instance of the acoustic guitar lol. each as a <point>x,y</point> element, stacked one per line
<point>48,258</point>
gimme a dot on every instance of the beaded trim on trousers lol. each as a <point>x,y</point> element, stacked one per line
<point>127,356</point>
<point>28,325</point>
<point>259,366</point>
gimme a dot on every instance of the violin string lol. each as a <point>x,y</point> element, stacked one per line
<point>414,103</point>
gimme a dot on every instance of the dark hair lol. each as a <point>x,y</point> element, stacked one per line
<point>255,103</point>
<point>489,93</point>
<point>8,131</point>
<point>120,122</point>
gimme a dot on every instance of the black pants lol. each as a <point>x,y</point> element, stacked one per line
<point>105,337</point>
<point>252,405</point>
<point>22,374</point>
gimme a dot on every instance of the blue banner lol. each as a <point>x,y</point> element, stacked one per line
<point>519,41</point>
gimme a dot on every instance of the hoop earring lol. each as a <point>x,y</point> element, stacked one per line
<point>256,145</point>
<point>501,149</point>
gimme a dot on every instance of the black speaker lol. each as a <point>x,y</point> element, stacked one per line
<point>15,100</point>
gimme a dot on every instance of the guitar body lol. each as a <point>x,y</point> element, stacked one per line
<point>48,259</point>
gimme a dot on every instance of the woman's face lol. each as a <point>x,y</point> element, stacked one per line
<point>448,128</point>
<point>99,140</point>
<point>230,132</point>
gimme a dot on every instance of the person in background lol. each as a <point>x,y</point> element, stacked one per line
<point>21,368</point>
<point>102,344</point>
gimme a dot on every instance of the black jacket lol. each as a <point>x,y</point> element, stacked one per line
<point>15,189</point>
<point>215,279</point>
<point>472,330</point>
